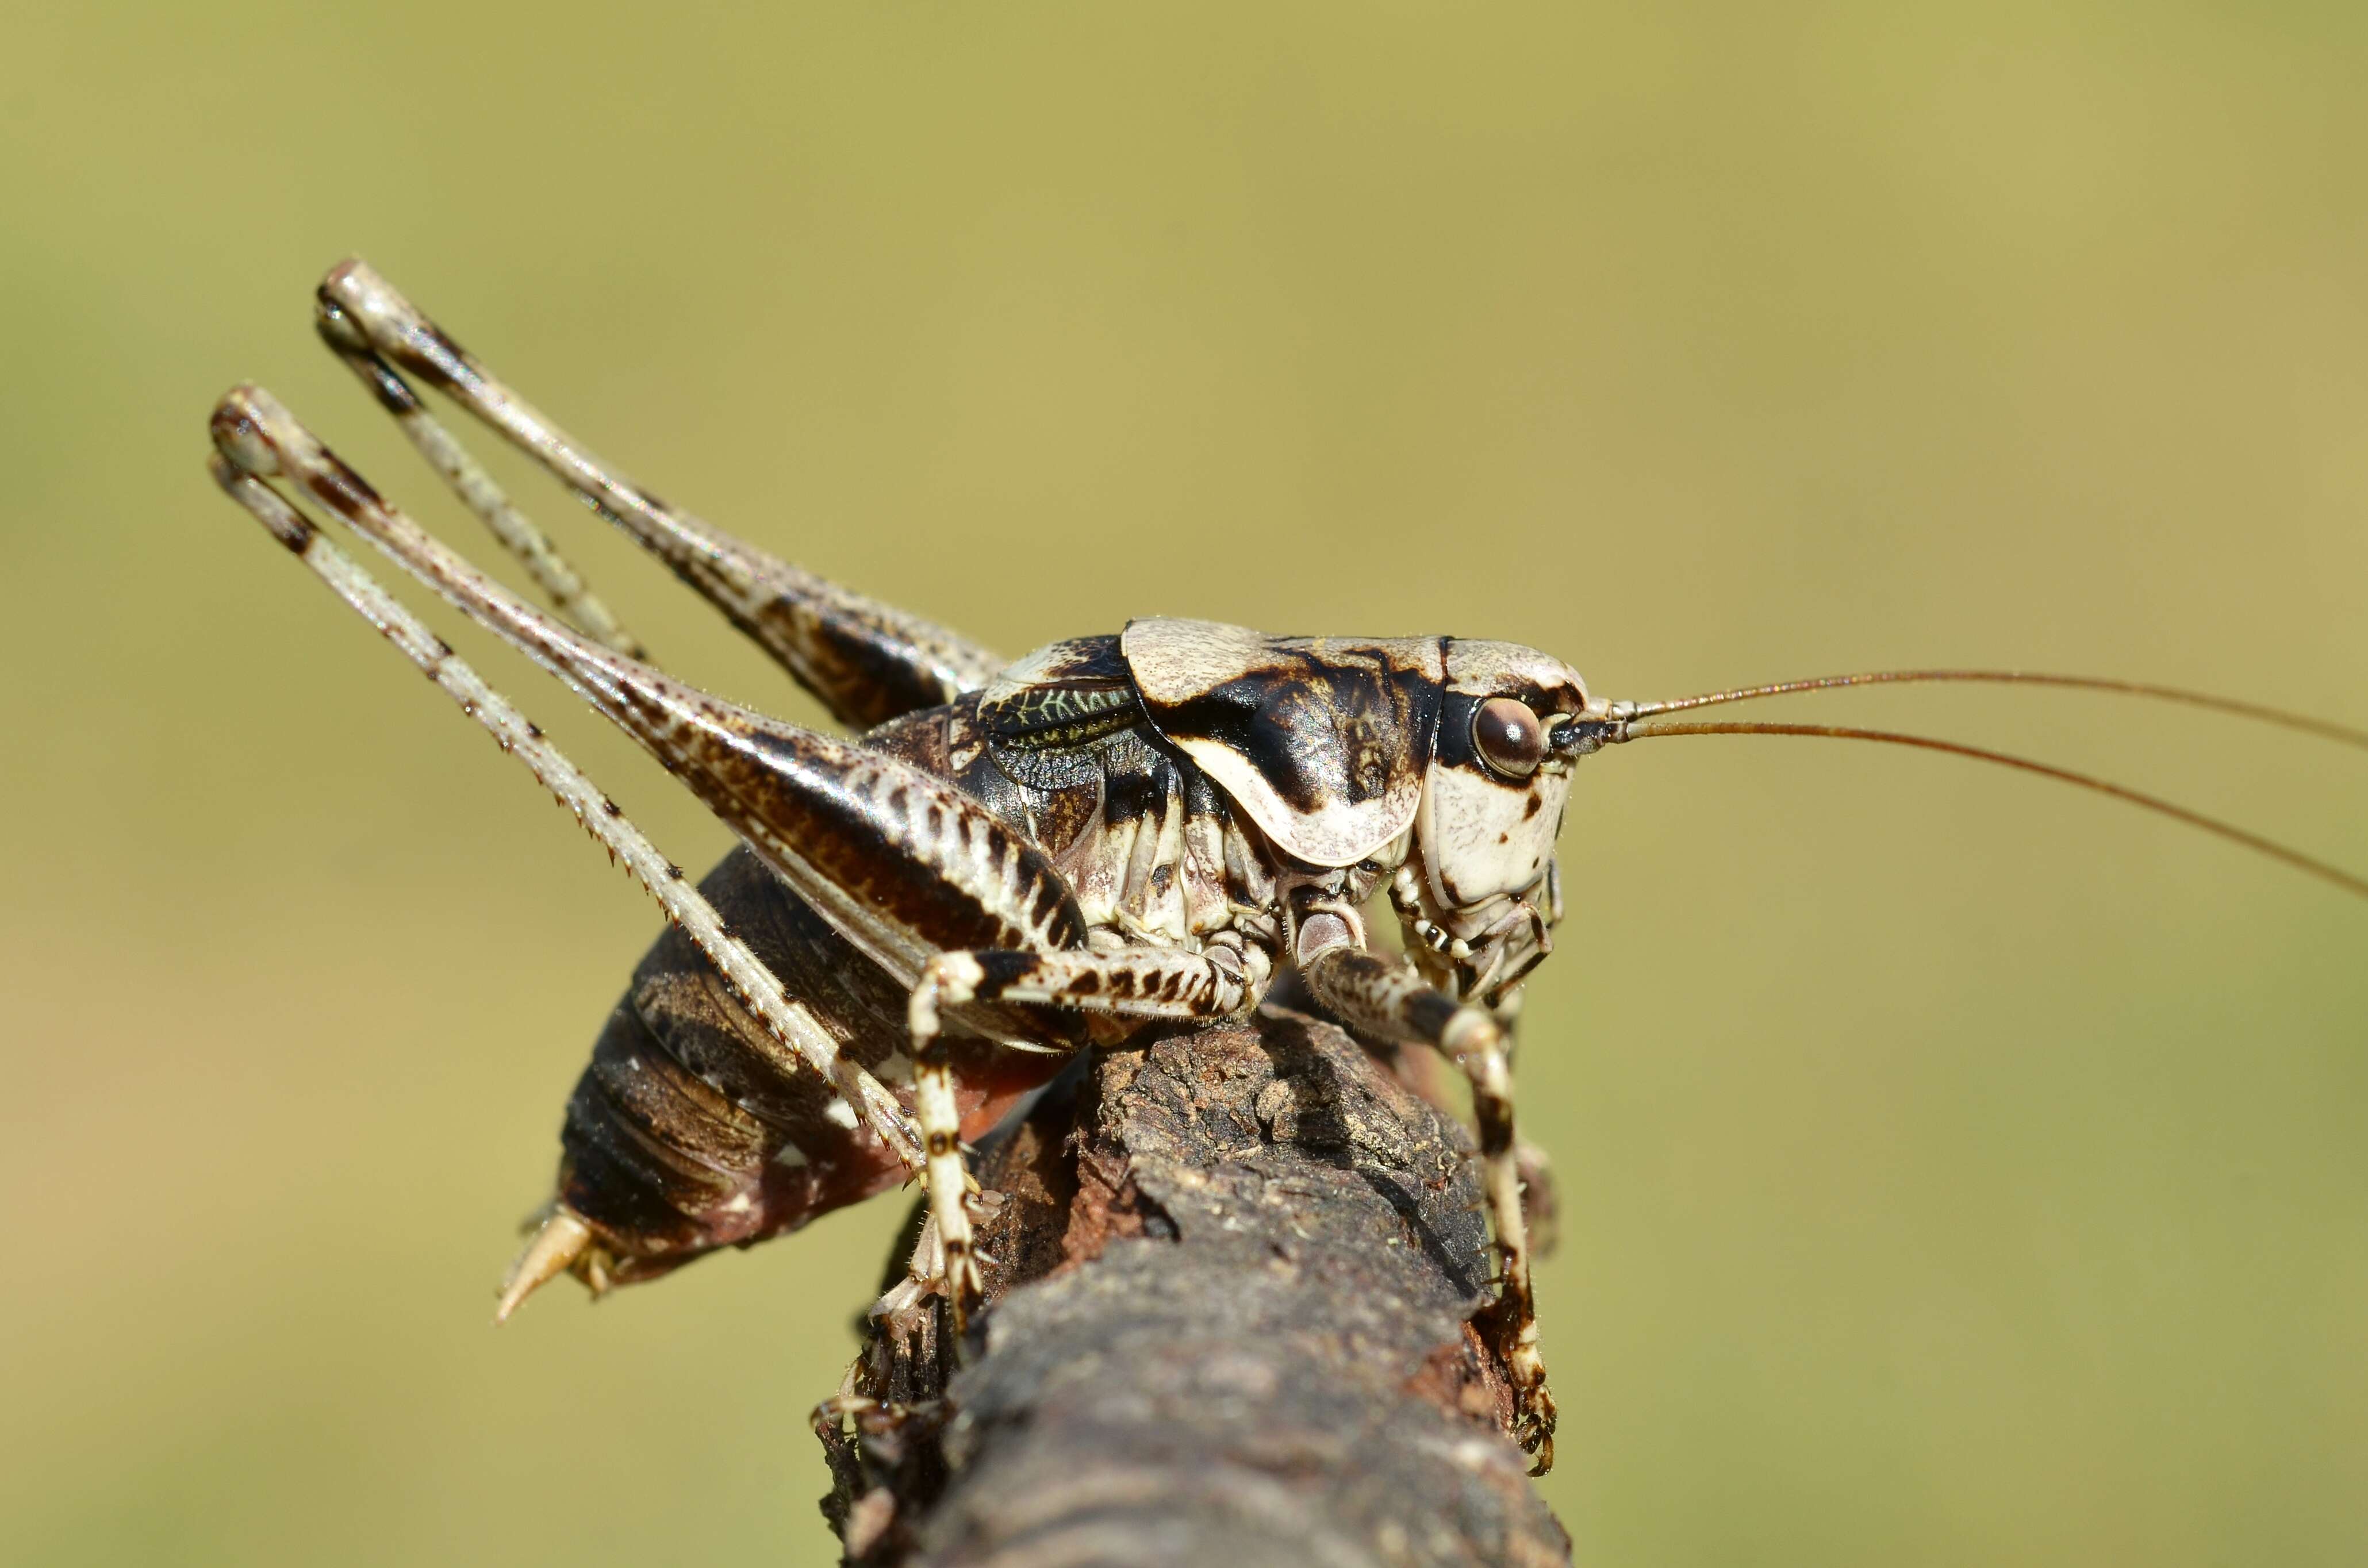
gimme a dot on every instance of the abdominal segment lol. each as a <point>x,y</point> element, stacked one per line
<point>684,1134</point>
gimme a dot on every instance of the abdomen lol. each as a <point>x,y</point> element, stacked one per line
<point>684,1136</point>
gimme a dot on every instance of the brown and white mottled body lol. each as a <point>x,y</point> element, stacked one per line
<point>1012,863</point>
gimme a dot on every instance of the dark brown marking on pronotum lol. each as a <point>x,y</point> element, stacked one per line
<point>1324,742</point>
<point>1320,729</point>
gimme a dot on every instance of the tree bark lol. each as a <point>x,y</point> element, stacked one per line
<point>1233,1273</point>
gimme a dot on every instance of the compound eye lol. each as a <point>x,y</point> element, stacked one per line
<point>1509,737</point>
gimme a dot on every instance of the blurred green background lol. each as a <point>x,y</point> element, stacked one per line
<point>1956,1169</point>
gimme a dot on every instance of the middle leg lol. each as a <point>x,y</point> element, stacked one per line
<point>1163,982</point>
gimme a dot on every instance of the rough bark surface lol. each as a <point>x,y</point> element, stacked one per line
<point>1229,1323</point>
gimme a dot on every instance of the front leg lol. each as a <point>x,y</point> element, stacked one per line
<point>1426,1072</point>
<point>1162,982</point>
<point>1388,997</point>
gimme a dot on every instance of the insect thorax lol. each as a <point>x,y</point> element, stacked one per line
<point>1058,747</point>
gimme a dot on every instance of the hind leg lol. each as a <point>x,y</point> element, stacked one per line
<point>901,864</point>
<point>867,661</point>
<point>786,1035</point>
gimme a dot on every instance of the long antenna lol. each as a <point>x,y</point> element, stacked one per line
<point>2323,728</point>
<point>2358,886</point>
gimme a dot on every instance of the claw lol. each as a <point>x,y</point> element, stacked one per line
<point>1533,1426</point>
<point>556,1248</point>
<point>965,1290</point>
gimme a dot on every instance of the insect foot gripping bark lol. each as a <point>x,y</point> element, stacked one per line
<point>1229,1288</point>
<point>1007,862</point>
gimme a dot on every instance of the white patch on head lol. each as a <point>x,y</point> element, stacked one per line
<point>1479,839</point>
<point>1476,836</point>
<point>839,1113</point>
<point>1478,668</point>
<point>791,1156</point>
<point>740,1203</point>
